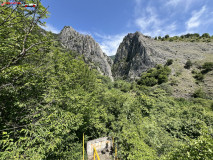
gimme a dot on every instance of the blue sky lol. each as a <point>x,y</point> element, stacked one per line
<point>108,21</point>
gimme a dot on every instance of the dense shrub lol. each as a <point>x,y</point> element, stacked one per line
<point>188,64</point>
<point>206,35</point>
<point>207,66</point>
<point>199,93</point>
<point>166,36</point>
<point>199,76</point>
<point>122,85</point>
<point>169,62</point>
<point>155,76</point>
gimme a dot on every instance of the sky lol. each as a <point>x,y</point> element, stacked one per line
<point>108,21</point>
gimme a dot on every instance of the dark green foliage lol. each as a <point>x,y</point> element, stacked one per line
<point>199,76</point>
<point>155,76</point>
<point>188,64</point>
<point>200,148</point>
<point>207,66</point>
<point>188,38</point>
<point>122,85</point>
<point>206,35</point>
<point>169,62</point>
<point>199,93</point>
<point>167,36</point>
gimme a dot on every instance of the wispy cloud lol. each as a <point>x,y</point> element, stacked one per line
<point>173,17</point>
<point>49,27</point>
<point>84,32</point>
<point>149,22</point>
<point>196,19</point>
<point>109,43</point>
<point>173,3</point>
<point>185,5</point>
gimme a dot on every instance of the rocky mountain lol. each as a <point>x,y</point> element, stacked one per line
<point>138,53</point>
<point>86,45</point>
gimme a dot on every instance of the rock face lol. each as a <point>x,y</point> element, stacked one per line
<point>137,53</point>
<point>86,45</point>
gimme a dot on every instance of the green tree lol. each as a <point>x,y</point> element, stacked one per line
<point>206,35</point>
<point>166,36</point>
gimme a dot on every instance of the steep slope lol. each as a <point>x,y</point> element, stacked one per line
<point>137,53</point>
<point>86,45</point>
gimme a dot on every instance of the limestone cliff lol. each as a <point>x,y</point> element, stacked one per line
<point>86,45</point>
<point>138,53</point>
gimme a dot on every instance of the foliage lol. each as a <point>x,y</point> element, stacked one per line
<point>188,64</point>
<point>199,93</point>
<point>199,76</point>
<point>200,148</point>
<point>166,36</point>
<point>49,97</point>
<point>169,62</point>
<point>155,76</point>
<point>207,66</point>
<point>187,38</point>
<point>206,35</point>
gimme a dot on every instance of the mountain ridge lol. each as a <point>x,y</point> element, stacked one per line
<point>87,46</point>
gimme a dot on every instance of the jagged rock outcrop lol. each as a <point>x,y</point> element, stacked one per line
<point>137,53</point>
<point>86,45</point>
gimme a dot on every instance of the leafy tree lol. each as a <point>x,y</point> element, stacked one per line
<point>200,148</point>
<point>166,36</point>
<point>206,35</point>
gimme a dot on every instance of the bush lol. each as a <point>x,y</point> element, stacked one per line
<point>166,36</point>
<point>169,62</point>
<point>188,64</point>
<point>199,93</point>
<point>199,76</point>
<point>155,76</point>
<point>206,35</point>
<point>122,85</point>
<point>208,66</point>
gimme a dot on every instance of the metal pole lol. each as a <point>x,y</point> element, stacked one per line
<point>83,146</point>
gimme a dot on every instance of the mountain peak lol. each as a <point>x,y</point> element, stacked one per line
<point>87,46</point>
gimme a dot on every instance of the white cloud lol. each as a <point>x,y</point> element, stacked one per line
<point>149,23</point>
<point>173,3</point>
<point>184,4</point>
<point>49,27</point>
<point>110,43</point>
<point>84,32</point>
<point>196,19</point>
